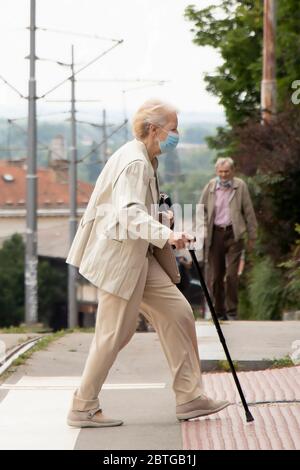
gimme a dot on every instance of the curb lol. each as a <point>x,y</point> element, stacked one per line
<point>214,365</point>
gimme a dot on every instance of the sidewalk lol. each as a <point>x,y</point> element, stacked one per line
<point>34,400</point>
<point>253,345</point>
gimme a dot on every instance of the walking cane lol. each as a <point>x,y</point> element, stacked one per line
<point>249,416</point>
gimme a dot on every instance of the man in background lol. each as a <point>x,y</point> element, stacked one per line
<point>228,217</point>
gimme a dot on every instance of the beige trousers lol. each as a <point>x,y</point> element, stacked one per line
<point>161,302</point>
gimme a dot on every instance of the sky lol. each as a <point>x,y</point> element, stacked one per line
<point>157,46</point>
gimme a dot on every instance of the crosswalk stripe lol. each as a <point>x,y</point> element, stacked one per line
<point>33,413</point>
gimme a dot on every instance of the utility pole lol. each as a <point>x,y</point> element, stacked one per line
<point>72,272</point>
<point>268,86</point>
<point>31,258</point>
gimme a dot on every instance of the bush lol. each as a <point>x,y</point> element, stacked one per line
<point>291,291</point>
<point>12,281</point>
<point>52,285</point>
<point>261,298</point>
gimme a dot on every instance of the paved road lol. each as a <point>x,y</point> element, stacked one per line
<point>34,402</point>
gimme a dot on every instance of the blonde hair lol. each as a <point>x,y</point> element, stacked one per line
<point>151,112</point>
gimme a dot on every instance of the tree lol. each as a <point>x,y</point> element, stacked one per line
<point>52,285</point>
<point>235,30</point>
<point>52,289</point>
<point>12,281</point>
<point>270,155</point>
<point>171,166</point>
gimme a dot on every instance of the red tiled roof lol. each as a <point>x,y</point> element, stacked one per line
<point>51,192</point>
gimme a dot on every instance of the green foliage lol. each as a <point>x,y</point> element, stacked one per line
<point>188,191</point>
<point>195,166</point>
<point>52,285</point>
<point>234,28</point>
<point>235,31</point>
<point>285,361</point>
<point>224,365</point>
<point>171,166</point>
<point>292,267</point>
<point>12,281</point>
<point>267,154</point>
<point>42,344</point>
<point>223,142</point>
<point>270,156</point>
<point>196,159</point>
<point>196,133</point>
<point>52,289</point>
<point>262,296</point>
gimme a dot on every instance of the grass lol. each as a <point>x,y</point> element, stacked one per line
<point>42,329</point>
<point>89,329</point>
<point>40,345</point>
<point>38,328</point>
<point>285,361</point>
<point>224,365</point>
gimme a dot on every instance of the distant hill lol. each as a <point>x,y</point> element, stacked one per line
<point>13,143</point>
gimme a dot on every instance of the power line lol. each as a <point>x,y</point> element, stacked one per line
<point>142,86</point>
<point>125,80</point>
<point>82,68</point>
<point>94,124</point>
<point>12,87</point>
<point>31,255</point>
<point>42,144</point>
<point>12,149</point>
<point>15,149</point>
<point>72,33</point>
<point>53,61</point>
<point>96,147</point>
<point>77,101</point>
<point>45,147</point>
<point>10,121</point>
<point>101,143</point>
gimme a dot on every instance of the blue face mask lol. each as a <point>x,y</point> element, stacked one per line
<point>170,143</point>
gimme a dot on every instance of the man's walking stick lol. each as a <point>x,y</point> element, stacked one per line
<point>249,416</point>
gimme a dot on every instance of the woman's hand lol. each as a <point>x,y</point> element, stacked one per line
<point>180,239</point>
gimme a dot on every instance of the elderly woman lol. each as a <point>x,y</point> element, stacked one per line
<point>122,248</point>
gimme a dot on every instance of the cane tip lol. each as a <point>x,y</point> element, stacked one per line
<point>249,417</point>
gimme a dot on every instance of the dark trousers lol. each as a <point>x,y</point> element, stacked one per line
<point>223,261</point>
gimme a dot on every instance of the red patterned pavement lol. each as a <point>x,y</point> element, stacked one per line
<point>276,425</point>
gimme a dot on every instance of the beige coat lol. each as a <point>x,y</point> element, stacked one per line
<point>109,252</point>
<point>241,211</point>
